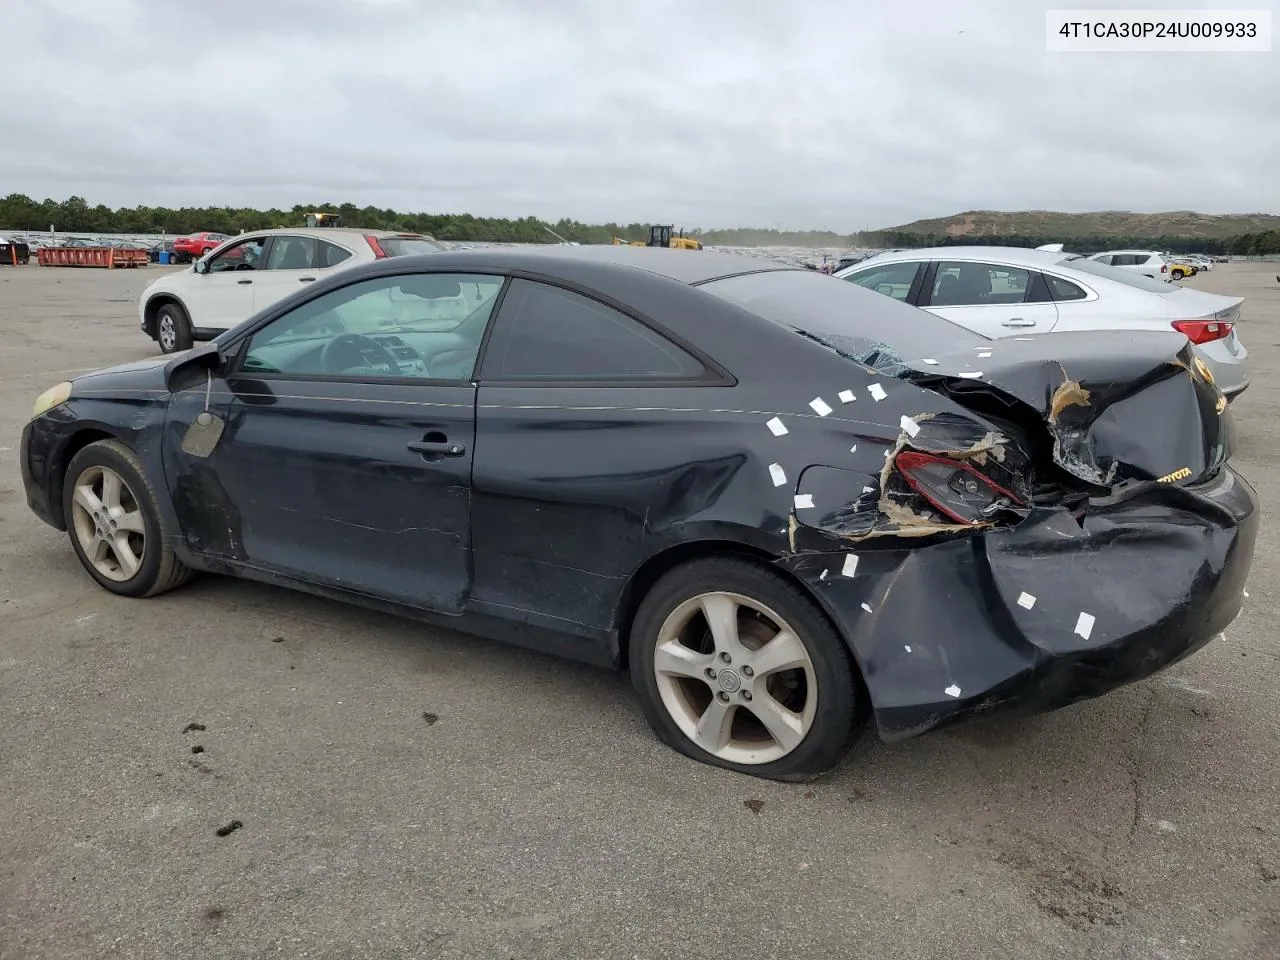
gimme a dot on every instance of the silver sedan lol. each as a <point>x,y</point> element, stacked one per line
<point>1014,291</point>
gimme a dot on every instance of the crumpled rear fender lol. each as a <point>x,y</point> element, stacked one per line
<point>1039,615</point>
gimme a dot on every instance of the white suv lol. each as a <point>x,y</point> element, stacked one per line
<point>1146,262</point>
<point>254,270</point>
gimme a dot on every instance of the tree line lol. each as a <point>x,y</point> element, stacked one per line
<point>75,215</point>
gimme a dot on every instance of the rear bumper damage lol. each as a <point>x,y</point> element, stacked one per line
<point>1029,618</point>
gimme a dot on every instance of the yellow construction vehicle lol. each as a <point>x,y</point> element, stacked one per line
<point>661,236</point>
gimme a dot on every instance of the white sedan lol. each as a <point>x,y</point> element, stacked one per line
<point>1013,291</point>
<point>254,270</point>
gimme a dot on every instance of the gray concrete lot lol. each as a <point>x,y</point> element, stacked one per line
<point>410,792</point>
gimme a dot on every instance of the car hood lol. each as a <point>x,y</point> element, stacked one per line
<point>1118,406</point>
<point>145,375</point>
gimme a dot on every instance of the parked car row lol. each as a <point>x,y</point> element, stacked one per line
<point>937,486</point>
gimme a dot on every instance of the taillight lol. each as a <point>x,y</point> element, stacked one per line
<point>1164,268</point>
<point>376,247</point>
<point>1203,331</point>
<point>954,487</point>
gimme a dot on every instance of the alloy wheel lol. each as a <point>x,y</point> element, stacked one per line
<point>736,678</point>
<point>168,332</point>
<point>108,523</point>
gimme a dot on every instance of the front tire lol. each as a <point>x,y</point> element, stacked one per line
<point>115,524</point>
<point>173,329</point>
<point>737,667</point>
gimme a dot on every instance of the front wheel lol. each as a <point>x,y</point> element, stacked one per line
<point>1177,274</point>
<point>737,667</point>
<point>115,524</point>
<point>173,329</point>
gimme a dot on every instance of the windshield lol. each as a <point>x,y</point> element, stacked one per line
<point>1108,272</point>
<point>407,246</point>
<point>857,323</point>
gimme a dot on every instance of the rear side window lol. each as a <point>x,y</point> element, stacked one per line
<point>331,254</point>
<point>855,322</point>
<point>292,253</point>
<point>546,333</point>
<point>965,284</point>
<point>1063,289</point>
<point>408,245</point>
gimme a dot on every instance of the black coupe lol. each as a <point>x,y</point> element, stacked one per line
<point>785,503</point>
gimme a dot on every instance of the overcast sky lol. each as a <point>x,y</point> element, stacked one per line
<point>791,113</point>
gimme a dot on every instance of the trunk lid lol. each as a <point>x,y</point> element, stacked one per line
<point>1118,406</point>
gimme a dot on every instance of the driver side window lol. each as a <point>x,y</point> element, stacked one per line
<point>423,326</point>
<point>246,255</point>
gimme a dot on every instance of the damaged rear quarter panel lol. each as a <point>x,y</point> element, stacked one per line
<point>1122,405</point>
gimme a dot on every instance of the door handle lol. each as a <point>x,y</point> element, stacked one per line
<point>438,448</point>
<point>306,279</point>
<point>1019,322</point>
<point>243,283</point>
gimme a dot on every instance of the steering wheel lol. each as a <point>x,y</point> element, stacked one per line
<point>348,350</point>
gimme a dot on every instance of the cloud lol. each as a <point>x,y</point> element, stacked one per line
<point>716,113</point>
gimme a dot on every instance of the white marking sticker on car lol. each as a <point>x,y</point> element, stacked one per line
<point>1026,601</point>
<point>876,391</point>
<point>909,425</point>
<point>779,475</point>
<point>846,396</point>
<point>804,501</point>
<point>820,406</point>
<point>850,565</point>
<point>866,607</point>
<point>952,691</point>
<point>1084,625</point>
<point>970,374</point>
<point>776,427</point>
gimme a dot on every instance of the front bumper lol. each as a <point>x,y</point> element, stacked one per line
<point>42,442</point>
<point>1038,616</point>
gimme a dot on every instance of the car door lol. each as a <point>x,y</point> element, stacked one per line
<point>221,294</point>
<point>346,457</point>
<point>293,261</point>
<point>995,300</point>
<point>576,450</point>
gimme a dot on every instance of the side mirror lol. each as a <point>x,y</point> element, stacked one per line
<point>200,266</point>
<point>194,368</point>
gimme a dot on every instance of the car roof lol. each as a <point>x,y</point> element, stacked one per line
<point>327,232</point>
<point>1035,258</point>
<point>684,266</point>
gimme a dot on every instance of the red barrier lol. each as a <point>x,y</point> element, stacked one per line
<point>105,257</point>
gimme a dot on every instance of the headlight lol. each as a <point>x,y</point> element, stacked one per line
<point>51,398</point>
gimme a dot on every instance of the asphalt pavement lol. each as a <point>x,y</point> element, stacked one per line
<point>239,771</point>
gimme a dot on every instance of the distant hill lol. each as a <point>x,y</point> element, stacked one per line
<point>1068,226</point>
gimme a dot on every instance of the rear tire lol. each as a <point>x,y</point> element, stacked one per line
<point>716,683</point>
<point>173,329</point>
<point>1177,274</point>
<point>115,524</point>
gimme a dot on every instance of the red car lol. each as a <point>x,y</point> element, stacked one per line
<point>197,245</point>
